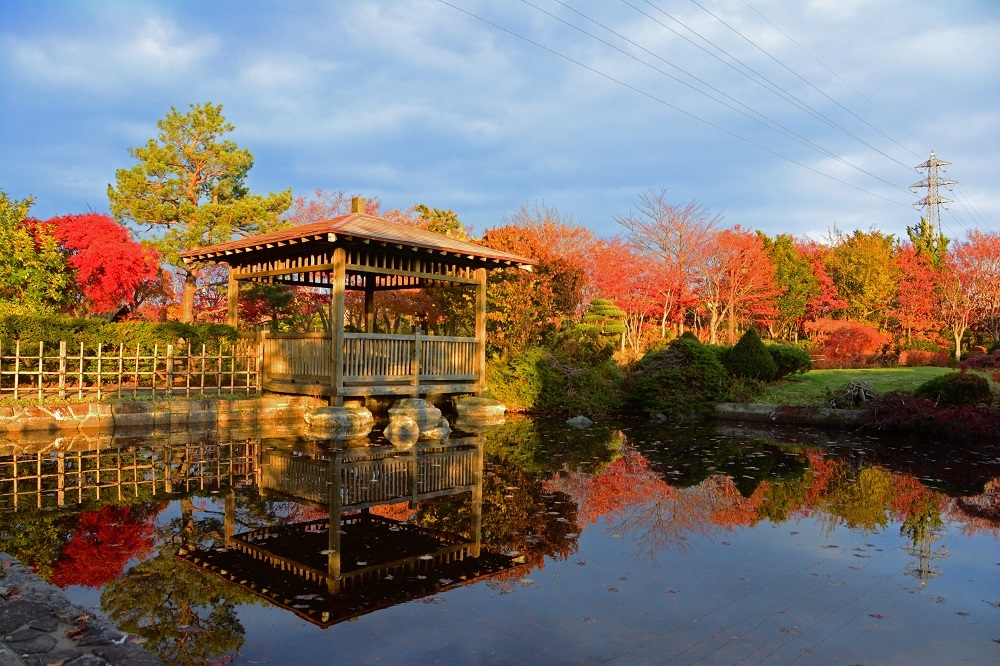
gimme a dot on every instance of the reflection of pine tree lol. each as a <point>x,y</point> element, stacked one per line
<point>185,615</point>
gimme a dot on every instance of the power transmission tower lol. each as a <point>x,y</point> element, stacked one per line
<point>932,182</point>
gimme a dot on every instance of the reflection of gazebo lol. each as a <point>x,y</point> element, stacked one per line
<point>369,254</point>
<point>353,563</point>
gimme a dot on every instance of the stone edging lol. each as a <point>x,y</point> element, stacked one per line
<point>790,415</point>
<point>107,415</point>
<point>39,625</point>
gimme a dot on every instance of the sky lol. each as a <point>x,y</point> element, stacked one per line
<point>787,116</point>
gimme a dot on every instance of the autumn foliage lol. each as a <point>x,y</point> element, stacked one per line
<point>109,267</point>
<point>102,543</point>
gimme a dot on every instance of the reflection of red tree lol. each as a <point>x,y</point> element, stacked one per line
<point>400,511</point>
<point>821,470</point>
<point>102,543</point>
<point>731,509</point>
<point>979,514</point>
<point>910,498</point>
<point>627,481</point>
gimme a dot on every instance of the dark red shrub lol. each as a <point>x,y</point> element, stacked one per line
<point>914,358</point>
<point>904,412</point>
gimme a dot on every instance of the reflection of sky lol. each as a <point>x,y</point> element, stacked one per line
<point>769,595</point>
<point>805,588</point>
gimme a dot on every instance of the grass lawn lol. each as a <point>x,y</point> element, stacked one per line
<point>812,388</point>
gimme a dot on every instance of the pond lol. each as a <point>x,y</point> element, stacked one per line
<point>533,542</point>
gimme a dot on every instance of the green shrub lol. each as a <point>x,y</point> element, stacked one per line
<point>958,388</point>
<point>789,359</point>
<point>582,345</point>
<point>560,381</point>
<point>750,358</point>
<point>682,378</point>
<point>53,329</point>
<point>516,381</point>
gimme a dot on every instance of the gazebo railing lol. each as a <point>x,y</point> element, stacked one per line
<point>372,358</point>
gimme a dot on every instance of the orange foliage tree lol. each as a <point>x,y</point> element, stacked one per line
<point>525,306</point>
<point>737,282</point>
<point>679,238</point>
<point>917,307</point>
<point>622,275</point>
<point>970,286</point>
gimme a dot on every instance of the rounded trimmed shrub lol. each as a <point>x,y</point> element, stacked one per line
<point>789,359</point>
<point>750,358</point>
<point>957,388</point>
<point>681,379</point>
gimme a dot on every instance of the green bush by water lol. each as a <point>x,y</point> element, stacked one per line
<point>575,374</point>
<point>683,378</point>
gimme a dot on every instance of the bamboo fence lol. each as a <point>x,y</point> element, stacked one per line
<point>56,370</point>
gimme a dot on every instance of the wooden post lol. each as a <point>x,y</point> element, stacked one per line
<point>229,519</point>
<point>62,372</point>
<point>41,346</point>
<point>416,361</point>
<point>17,369</point>
<point>476,529</point>
<point>333,580</point>
<point>170,370</point>
<point>338,285</point>
<point>233,296</point>
<point>480,331</point>
<point>369,303</point>
<point>262,361</point>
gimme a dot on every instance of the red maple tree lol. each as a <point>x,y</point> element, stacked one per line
<point>109,266</point>
<point>103,542</point>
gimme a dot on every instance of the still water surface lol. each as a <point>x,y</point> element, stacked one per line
<point>532,543</point>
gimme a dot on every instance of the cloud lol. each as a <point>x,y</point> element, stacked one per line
<point>117,57</point>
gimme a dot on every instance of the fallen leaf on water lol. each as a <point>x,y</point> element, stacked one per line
<point>876,616</point>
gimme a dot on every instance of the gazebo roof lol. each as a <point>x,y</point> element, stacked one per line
<point>358,228</point>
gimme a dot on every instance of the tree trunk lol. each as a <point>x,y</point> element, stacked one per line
<point>732,325</point>
<point>958,342</point>
<point>187,298</point>
<point>713,325</point>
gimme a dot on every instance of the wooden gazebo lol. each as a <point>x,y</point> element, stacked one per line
<point>365,253</point>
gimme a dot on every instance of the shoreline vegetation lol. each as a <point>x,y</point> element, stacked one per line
<point>578,371</point>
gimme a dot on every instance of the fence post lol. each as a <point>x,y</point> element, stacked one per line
<point>62,369</point>
<point>17,367</point>
<point>41,347</point>
<point>100,369</point>
<point>170,370</point>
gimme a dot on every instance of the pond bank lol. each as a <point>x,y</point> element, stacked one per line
<point>39,625</point>
<point>107,415</point>
<point>790,415</point>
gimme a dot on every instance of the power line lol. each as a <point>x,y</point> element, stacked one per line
<point>760,118</point>
<point>839,78</point>
<point>761,79</point>
<point>807,82</point>
<point>664,102</point>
